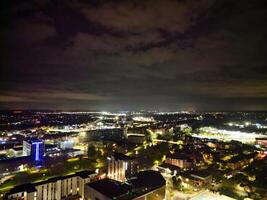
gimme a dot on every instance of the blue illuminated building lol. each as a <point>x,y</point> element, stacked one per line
<point>34,148</point>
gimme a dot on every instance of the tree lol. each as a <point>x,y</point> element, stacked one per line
<point>92,152</point>
<point>177,183</point>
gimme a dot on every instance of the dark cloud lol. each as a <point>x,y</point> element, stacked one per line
<point>133,54</point>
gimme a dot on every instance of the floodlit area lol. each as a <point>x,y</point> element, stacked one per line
<point>143,119</point>
<point>210,195</point>
<point>226,135</point>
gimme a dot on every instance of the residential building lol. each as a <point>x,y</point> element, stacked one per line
<point>179,160</point>
<point>54,188</point>
<point>121,166</point>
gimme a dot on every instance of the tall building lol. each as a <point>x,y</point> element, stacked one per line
<point>34,148</point>
<point>121,166</point>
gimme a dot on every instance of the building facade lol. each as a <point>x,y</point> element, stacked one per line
<point>53,189</point>
<point>179,161</point>
<point>121,166</point>
<point>34,148</point>
<point>261,141</point>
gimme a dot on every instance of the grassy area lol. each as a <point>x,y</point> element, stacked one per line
<point>8,185</point>
<point>229,191</point>
<point>23,177</point>
<point>57,169</point>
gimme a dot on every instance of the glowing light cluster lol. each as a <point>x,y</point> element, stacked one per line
<point>220,134</point>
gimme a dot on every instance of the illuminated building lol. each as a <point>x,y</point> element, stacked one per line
<point>120,166</point>
<point>135,138</point>
<point>17,151</point>
<point>34,148</point>
<point>179,160</point>
<point>67,144</point>
<point>226,135</point>
<point>210,195</point>
<point>143,119</point>
<point>55,188</point>
<point>261,142</point>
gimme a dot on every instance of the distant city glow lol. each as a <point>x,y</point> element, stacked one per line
<point>143,119</point>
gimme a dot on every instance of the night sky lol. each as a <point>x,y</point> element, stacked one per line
<point>133,54</point>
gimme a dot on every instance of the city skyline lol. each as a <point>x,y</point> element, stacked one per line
<point>130,155</point>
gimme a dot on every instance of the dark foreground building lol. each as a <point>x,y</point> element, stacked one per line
<point>145,185</point>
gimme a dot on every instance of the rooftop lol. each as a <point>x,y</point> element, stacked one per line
<point>170,167</point>
<point>121,156</point>
<point>148,179</point>
<point>28,187</point>
<point>31,186</point>
<point>85,173</point>
<point>202,173</point>
<point>20,148</point>
<point>179,156</point>
<point>82,174</point>
<point>34,140</point>
<point>110,188</point>
<point>142,183</point>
